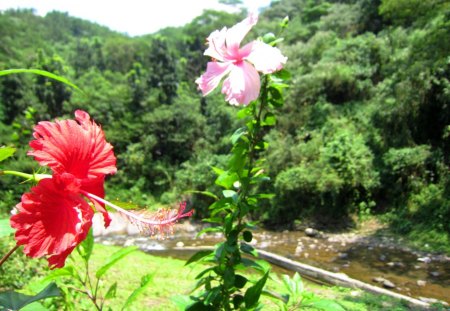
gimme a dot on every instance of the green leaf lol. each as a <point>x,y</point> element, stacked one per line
<point>68,271</point>
<point>240,281</point>
<point>238,134</point>
<point>230,194</point>
<point>253,293</point>
<point>283,74</point>
<point>145,282</point>
<point>12,300</point>
<point>112,290</point>
<point>42,73</point>
<point>204,272</point>
<point>248,236</point>
<point>228,277</point>
<point>86,247</point>
<point>199,255</point>
<point>275,295</point>
<point>245,112</point>
<point>269,119</point>
<point>247,248</point>
<point>5,227</point>
<point>113,259</point>
<point>237,301</point>
<point>227,179</point>
<point>6,152</point>
<point>212,295</point>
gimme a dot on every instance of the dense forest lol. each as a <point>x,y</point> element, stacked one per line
<point>365,129</point>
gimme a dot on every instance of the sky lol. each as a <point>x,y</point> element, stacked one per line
<point>134,17</point>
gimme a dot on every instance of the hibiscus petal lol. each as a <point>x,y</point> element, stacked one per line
<point>215,71</point>
<point>237,33</point>
<point>216,45</point>
<point>242,85</point>
<point>51,222</point>
<point>265,58</point>
<point>78,148</point>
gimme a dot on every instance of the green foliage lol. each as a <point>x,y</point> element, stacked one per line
<point>17,264</point>
<point>364,127</point>
<point>11,300</point>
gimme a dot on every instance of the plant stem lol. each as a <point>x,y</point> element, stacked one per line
<point>8,254</point>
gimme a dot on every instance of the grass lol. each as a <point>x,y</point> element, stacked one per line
<point>171,279</point>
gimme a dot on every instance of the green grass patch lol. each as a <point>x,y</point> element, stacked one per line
<point>171,278</point>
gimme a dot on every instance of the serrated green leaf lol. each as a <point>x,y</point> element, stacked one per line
<point>6,152</point>
<point>11,300</point>
<point>198,256</point>
<point>113,259</point>
<point>145,282</point>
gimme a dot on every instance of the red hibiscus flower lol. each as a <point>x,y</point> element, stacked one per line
<point>55,216</point>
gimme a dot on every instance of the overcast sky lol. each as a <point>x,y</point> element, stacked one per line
<point>134,17</point>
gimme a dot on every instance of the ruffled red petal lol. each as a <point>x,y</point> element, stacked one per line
<point>51,222</point>
<point>76,147</point>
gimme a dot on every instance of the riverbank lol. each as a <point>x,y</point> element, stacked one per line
<point>363,254</point>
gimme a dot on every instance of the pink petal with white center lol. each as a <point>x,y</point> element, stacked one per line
<point>216,45</point>
<point>242,85</point>
<point>237,33</point>
<point>215,71</point>
<point>265,58</point>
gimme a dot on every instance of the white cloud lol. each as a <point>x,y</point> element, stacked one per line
<point>135,17</point>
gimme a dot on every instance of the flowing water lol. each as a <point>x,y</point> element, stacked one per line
<point>413,274</point>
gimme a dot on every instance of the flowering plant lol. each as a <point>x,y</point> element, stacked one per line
<point>55,216</point>
<point>223,284</point>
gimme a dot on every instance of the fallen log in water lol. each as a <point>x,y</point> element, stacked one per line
<point>314,273</point>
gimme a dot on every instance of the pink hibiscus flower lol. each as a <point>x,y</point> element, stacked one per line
<point>55,216</point>
<point>240,66</point>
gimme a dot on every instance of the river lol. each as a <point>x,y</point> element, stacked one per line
<point>362,257</point>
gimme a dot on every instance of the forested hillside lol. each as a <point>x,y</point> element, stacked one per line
<point>365,129</point>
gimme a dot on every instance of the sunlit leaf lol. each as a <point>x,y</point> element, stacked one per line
<point>6,152</point>
<point>113,259</point>
<point>145,282</point>
<point>42,73</point>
